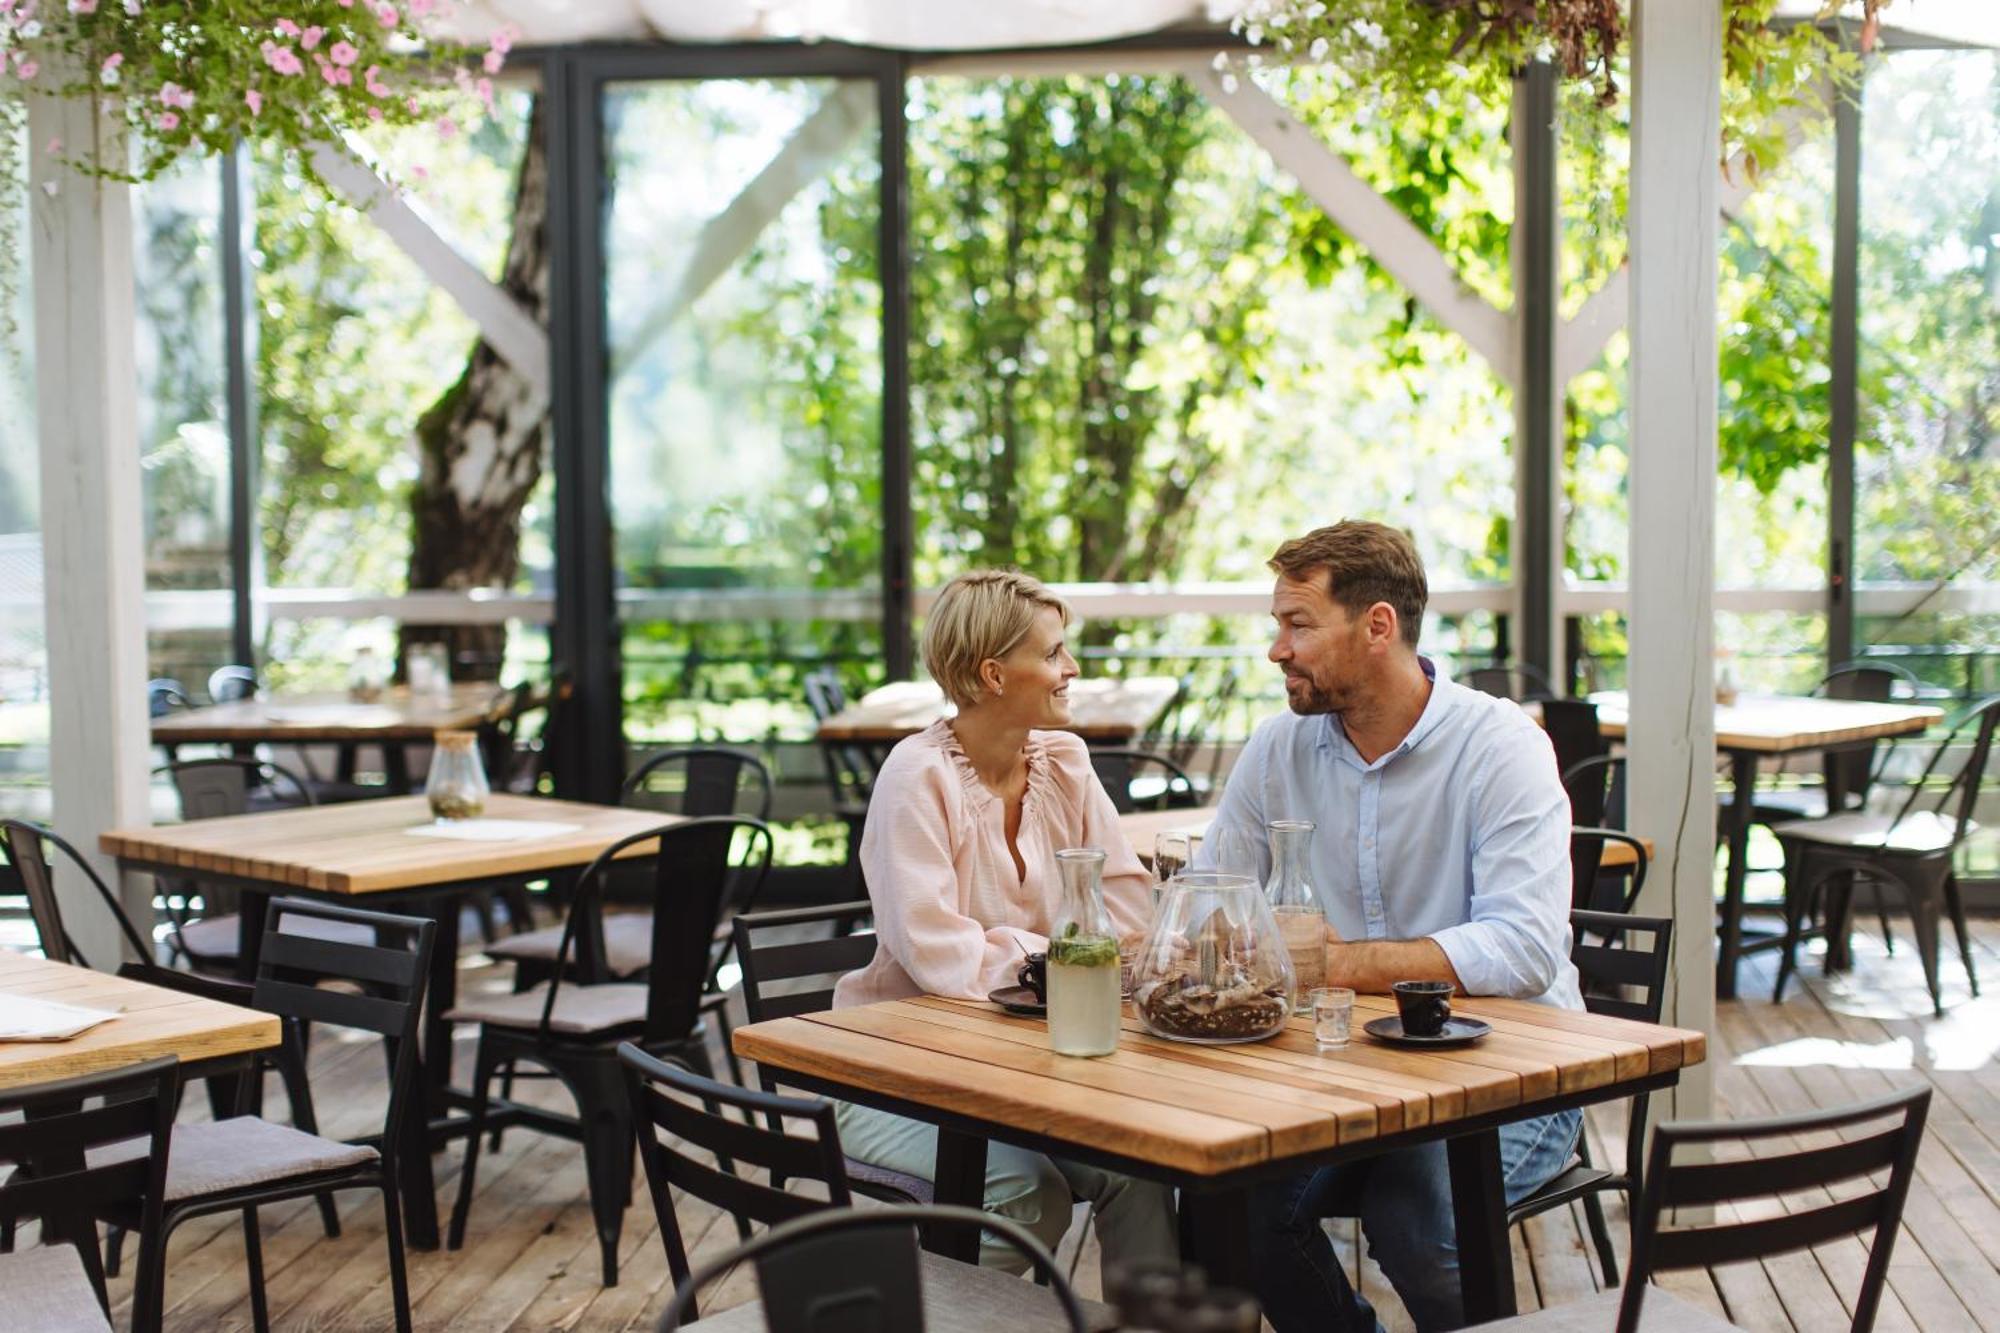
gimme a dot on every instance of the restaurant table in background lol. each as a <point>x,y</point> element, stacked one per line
<point>1748,731</point>
<point>152,1021</point>
<point>1142,827</point>
<point>1103,711</point>
<point>389,852</point>
<point>394,722</point>
<point>1215,1121</point>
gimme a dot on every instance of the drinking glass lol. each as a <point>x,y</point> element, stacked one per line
<point>1171,853</point>
<point>1333,1011</point>
<point>1233,850</point>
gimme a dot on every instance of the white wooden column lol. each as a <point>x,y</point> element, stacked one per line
<point>92,545</point>
<point>1676,101</point>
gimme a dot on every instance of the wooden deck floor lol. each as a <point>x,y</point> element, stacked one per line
<point>530,1260</point>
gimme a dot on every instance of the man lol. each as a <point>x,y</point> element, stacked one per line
<point>1441,853</point>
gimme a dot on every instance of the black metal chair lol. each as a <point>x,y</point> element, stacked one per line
<point>850,769</point>
<point>1911,852</point>
<point>1872,1169</point>
<point>1519,681</point>
<point>1595,886</point>
<point>166,695</point>
<point>227,684</point>
<point>1596,790</point>
<point>61,1175</point>
<point>573,1030</point>
<point>1142,780</point>
<point>701,780</point>
<point>241,1163</point>
<point>1573,731</point>
<point>1851,771</point>
<point>784,976</point>
<point>1622,982</point>
<point>870,1272</point>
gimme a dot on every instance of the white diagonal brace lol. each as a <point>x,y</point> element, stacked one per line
<point>817,143</point>
<point>511,331</point>
<point>1396,243</point>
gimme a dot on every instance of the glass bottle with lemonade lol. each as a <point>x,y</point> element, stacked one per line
<point>1301,919</point>
<point>1083,982</point>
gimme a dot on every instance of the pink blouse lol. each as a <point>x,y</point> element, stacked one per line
<point>952,916</point>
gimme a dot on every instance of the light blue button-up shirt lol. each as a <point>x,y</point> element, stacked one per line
<point>1459,834</point>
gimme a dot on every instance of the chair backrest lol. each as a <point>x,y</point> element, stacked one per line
<point>1851,771</point>
<point>783,975</point>
<point>1518,681</point>
<point>226,684</point>
<point>1589,886</point>
<point>25,845</point>
<point>392,973</point>
<point>213,788</point>
<point>1956,800</point>
<point>498,729</point>
<point>695,1112</point>
<point>699,865</point>
<point>824,693</point>
<point>1573,731</point>
<point>702,780</point>
<point>1620,980</point>
<point>1596,788</point>
<point>1868,1199</point>
<point>59,1126</point>
<point>859,1268</point>
<point>1142,780</point>
<point>165,695</point>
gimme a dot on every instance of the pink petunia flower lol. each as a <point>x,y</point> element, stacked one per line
<point>446,127</point>
<point>387,15</point>
<point>254,100</point>
<point>374,113</point>
<point>503,38</point>
<point>83,6</point>
<point>485,89</point>
<point>372,80</point>
<point>27,69</point>
<point>288,28</point>
<point>310,37</point>
<point>169,120</point>
<point>343,53</point>
<point>493,60</point>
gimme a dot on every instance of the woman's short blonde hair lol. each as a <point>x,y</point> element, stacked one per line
<point>980,614</point>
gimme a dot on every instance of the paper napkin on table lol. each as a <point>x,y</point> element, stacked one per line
<point>25,1018</point>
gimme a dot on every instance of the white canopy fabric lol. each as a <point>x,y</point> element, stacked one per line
<point>962,25</point>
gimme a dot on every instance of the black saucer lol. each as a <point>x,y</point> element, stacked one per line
<point>1457,1032</point>
<point>1018,1000</point>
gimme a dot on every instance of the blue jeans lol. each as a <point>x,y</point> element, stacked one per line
<point>1403,1199</point>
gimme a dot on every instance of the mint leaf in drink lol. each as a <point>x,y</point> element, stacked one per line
<point>1079,950</point>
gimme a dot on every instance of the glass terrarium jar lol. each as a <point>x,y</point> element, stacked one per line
<point>1215,969</point>
<point>456,787</point>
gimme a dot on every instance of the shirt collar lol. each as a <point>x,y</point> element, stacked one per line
<point>1436,709</point>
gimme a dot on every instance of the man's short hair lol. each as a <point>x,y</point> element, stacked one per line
<point>980,614</point>
<point>1364,563</point>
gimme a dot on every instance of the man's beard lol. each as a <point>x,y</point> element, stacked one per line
<point>1314,699</point>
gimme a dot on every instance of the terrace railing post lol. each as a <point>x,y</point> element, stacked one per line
<point>1844,372</point>
<point>1538,396</point>
<point>898,526</point>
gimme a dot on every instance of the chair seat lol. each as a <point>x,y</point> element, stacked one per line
<point>1573,1181</point>
<point>958,1298</point>
<point>1663,1312</point>
<point>240,1153</point>
<point>1771,807</point>
<point>581,1011</point>
<point>48,1290</point>
<point>1922,832</point>
<point>628,944</point>
<point>217,936</point>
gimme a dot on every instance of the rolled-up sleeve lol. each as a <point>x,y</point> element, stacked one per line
<point>1517,938</point>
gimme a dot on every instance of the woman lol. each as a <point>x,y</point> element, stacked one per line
<point>959,850</point>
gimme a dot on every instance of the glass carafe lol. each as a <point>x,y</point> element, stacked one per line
<point>1082,986</point>
<point>1301,920</point>
<point>457,783</point>
<point>1215,968</point>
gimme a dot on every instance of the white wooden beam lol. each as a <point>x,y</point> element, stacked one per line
<point>805,157</point>
<point>1396,243</point>
<point>511,331</point>
<point>1674,225</point>
<point>93,559</point>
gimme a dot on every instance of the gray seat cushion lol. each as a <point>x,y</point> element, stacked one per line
<point>958,1298</point>
<point>247,1150</point>
<point>1920,832</point>
<point>48,1290</point>
<point>628,944</point>
<point>1663,1312</point>
<point>580,1010</point>
<point>216,936</point>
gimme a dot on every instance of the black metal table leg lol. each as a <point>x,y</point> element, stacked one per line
<point>1218,1235</point>
<point>250,905</point>
<point>1479,1205</point>
<point>1743,780</point>
<point>960,1179</point>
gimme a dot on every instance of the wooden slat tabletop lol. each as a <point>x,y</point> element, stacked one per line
<point>367,846</point>
<point>1100,709</point>
<point>396,716</point>
<point>1783,724</point>
<point>1143,826</point>
<point>154,1022</point>
<point>1206,1110</point>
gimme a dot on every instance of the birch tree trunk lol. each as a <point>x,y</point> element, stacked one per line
<point>479,448</point>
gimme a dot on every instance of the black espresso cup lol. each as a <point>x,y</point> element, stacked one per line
<point>1034,975</point>
<point>1424,1006</point>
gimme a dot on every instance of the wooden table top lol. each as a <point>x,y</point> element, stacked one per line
<point>155,1022</point>
<point>366,846</point>
<point>1205,1110</point>
<point>1783,723</point>
<point>1101,709</point>
<point>396,716</point>
<point>1141,827</point>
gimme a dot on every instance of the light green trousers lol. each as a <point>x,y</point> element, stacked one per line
<point>1135,1218</point>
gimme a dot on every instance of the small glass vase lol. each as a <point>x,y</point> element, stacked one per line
<point>457,786</point>
<point>1215,969</point>
<point>367,676</point>
<point>1083,971</point>
<point>1301,919</point>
